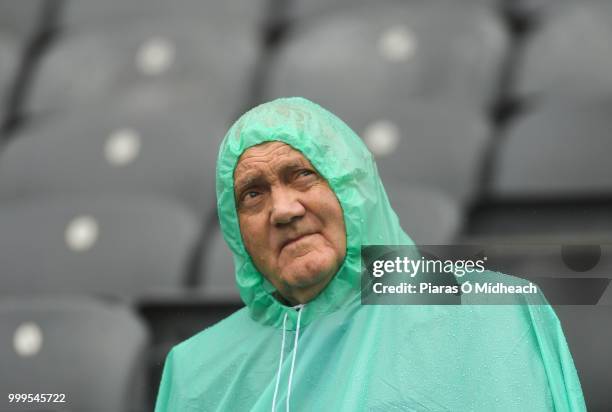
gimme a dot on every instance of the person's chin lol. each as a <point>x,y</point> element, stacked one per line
<point>309,270</point>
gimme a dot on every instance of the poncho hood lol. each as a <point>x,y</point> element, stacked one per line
<point>340,156</point>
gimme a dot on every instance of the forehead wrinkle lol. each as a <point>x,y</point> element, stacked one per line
<point>292,160</point>
<point>255,176</point>
<point>255,154</point>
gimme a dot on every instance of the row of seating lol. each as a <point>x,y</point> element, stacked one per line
<point>97,355</point>
<point>133,247</point>
<point>153,61</point>
<point>104,48</point>
<point>111,149</point>
<point>101,148</point>
<point>557,151</point>
<point>394,52</point>
<point>567,56</point>
<point>156,74</point>
<point>125,47</point>
<point>431,48</point>
<point>122,246</point>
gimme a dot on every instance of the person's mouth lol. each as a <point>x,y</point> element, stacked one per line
<point>295,239</point>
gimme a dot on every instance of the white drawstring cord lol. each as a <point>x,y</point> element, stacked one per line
<point>280,364</point>
<point>295,348</point>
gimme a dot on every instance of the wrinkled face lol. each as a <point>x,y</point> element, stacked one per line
<point>290,220</point>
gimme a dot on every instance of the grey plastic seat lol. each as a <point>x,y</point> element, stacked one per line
<point>91,352</point>
<point>427,215</point>
<point>426,144</point>
<point>103,149</point>
<point>559,151</point>
<point>217,279</point>
<point>392,50</point>
<point>172,59</point>
<point>298,10</point>
<point>108,246</point>
<point>588,333</point>
<point>569,56</point>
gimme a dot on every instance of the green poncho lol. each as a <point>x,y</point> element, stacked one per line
<point>334,354</point>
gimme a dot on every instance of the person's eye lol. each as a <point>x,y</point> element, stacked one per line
<point>249,196</point>
<point>305,172</point>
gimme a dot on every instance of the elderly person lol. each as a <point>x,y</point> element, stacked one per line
<point>298,194</point>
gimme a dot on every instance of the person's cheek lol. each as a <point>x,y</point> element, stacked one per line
<point>248,230</point>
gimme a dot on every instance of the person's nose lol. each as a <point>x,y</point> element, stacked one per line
<point>286,206</point>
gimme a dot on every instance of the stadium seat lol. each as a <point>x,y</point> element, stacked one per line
<point>392,50</point>
<point>569,56</point>
<point>297,10</point>
<point>106,149</point>
<point>218,279</point>
<point>560,150</point>
<point>107,246</point>
<point>89,352</point>
<point>427,215</point>
<point>425,144</point>
<point>172,59</point>
<point>589,336</point>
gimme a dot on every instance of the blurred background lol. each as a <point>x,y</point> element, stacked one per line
<point>490,120</point>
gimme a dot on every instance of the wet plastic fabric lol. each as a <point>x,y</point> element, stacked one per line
<point>343,356</point>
